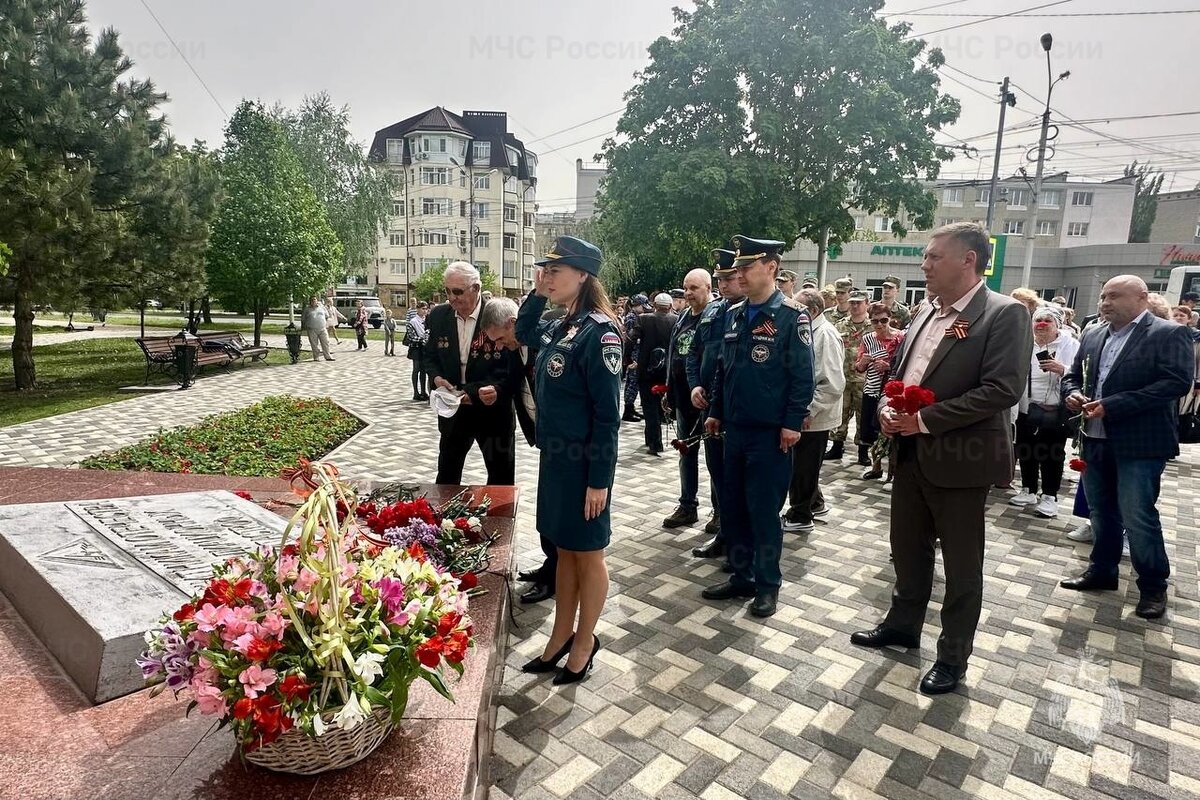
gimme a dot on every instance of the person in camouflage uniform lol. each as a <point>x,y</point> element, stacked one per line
<point>852,329</point>
<point>891,298</point>
<point>841,291</point>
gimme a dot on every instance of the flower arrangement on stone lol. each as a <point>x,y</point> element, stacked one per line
<point>907,399</point>
<point>323,631</point>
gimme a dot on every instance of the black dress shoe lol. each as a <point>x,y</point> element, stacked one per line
<point>529,575</point>
<point>538,665</point>
<point>883,636</point>
<point>1152,605</point>
<point>872,474</point>
<point>566,676</point>
<point>713,526</point>
<point>764,604</point>
<point>711,549</point>
<point>941,678</point>
<point>726,591</point>
<point>537,593</point>
<point>1090,581</point>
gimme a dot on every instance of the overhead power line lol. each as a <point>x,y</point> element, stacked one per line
<point>577,125</point>
<point>171,39</point>
<point>924,8</point>
<point>1069,14</point>
<point>986,19</point>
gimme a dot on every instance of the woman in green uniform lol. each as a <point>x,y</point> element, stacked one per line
<point>577,386</point>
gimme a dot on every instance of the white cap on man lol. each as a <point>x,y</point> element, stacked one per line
<point>662,300</point>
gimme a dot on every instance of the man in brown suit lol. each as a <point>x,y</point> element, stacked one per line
<point>970,347</point>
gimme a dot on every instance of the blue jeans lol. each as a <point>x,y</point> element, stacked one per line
<point>1123,496</point>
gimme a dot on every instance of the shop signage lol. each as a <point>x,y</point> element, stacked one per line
<point>995,270</point>
<point>1178,255</point>
<point>897,250</point>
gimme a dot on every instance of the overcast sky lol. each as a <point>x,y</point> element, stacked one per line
<point>553,65</point>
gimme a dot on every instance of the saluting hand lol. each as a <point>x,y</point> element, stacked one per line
<point>594,502</point>
<point>539,282</point>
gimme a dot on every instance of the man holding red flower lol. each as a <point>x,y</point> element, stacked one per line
<point>963,365</point>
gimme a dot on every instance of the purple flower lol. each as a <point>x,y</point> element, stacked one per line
<point>150,665</point>
<point>418,532</point>
<point>391,595</point>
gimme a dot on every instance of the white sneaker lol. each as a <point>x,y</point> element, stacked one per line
<point>1047,506</point>
<point>802,528</point>
<point>1081,534</point>
<point>1022,499</point>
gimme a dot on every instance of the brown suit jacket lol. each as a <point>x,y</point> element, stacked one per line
<point>976,381</point>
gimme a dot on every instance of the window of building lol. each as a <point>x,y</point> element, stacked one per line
<point>510,268</point>
<point>395,151</point>
<point>1077,229</point>
<point>944,221</point>
<point>483,181</point>
<point>1017,198</point>
<point>434,176</point>
<point>412,206</point>
<point>528,246</point>
<point>462,240</point>
<point>985,197</point>
<point>1051,198</point>
<point>481,152</point>
<point>511,185</point>
<point>528,220</point>
<point>1047,227</point>
<point>433,144</point>
<point>396,266</point>
<point>396,239</point>
<point>481,210</point>
<point>883,224</point>
<point>1014,226</point>
<point>1198,230</point>
<point>462,208</point>
<point>952,197</point>
<point>428,264</point>
<point>858,223</point>
<point>397,208</point>
<point>438,206</point>
<point>1081,198</point>
<point>510,241</point>
<point>483,240</point>
<point>510,213</point>
<point>483,266</point>
<point>433,237</point>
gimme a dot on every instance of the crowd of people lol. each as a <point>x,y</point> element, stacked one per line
<point>768,376</point>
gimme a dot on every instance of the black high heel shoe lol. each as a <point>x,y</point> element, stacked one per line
<point>538,665</point>
<point>566,676</point>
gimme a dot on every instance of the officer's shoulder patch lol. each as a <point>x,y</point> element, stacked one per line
<point>790,303</point>
<point>610,337</point>
<point>611,355</point>
<point>597,316</point>
<point>804,328</point>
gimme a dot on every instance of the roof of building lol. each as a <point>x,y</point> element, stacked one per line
<point>478,126</point>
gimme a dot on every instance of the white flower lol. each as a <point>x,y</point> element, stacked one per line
<point>475,524</point>
<point>369,666</point>
<point>448,525</point>
<point>318,724</point>
<point>351,714</point>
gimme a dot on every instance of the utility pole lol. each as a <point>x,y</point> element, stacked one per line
<point>1007,99</point>
<point>1031,232</point>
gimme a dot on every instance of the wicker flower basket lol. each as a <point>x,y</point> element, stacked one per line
<point>300,754</point>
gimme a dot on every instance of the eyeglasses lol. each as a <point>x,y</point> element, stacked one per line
<point>455,292</point>
<point>881,321</point>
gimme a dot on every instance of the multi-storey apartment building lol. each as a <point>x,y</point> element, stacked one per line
<point>1069,214</point>
<point>466,189</point>
<point>1177,218</point>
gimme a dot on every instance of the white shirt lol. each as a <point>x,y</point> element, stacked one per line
<point>1109,352</point>
<point>1044,387</point>
<point>526,391</point>
<point>466,332</point>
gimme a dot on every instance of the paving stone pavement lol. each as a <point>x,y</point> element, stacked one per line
<point>1067,695</point>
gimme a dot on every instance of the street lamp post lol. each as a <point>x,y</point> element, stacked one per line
<point>1007,99</point>
<point>1047,42</point>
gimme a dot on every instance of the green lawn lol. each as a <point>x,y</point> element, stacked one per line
<point>81,374</point>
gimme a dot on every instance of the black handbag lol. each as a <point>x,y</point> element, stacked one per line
<point>1045,418</point>
<point>1189,423</point>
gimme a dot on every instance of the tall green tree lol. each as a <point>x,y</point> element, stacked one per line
<point>778,117</point>
<point>1145,199</point>
<point>5,253</point>
<point>272,241</point>
<point>357,194</point>
<point>78,138</point>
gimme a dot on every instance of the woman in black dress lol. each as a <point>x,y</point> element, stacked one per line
<point>577,386</point>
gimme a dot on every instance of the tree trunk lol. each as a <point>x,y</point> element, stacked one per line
<point>260,311</point>
<point>22,347</point>
<point>142,317</point>
<point>193,324</point>
<point>206,311</point>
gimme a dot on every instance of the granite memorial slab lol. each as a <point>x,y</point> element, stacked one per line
<point>91,576</point>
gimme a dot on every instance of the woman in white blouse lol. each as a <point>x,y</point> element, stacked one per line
<point>1042,429</point>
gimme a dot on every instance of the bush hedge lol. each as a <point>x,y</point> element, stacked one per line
<point>256,441</point>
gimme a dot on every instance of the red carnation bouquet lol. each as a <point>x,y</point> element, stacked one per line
<point>1078,464</point>
<point>906,400</point>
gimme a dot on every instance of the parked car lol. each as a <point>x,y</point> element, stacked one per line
<point>347,305</point>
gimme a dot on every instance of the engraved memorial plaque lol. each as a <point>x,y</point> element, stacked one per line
<point>90,576</point>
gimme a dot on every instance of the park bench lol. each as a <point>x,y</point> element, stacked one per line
<point>217,348</point>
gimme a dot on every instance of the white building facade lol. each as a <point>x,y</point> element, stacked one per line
<point>465,190</point>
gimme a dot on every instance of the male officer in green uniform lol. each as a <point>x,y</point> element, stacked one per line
<point>763,390</point>
<point>702,364</point>
<point>852,328</point>
<point>841,288</point>
<point>891,298</point>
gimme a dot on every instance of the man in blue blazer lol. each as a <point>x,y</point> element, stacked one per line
<point>1126,381</point>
